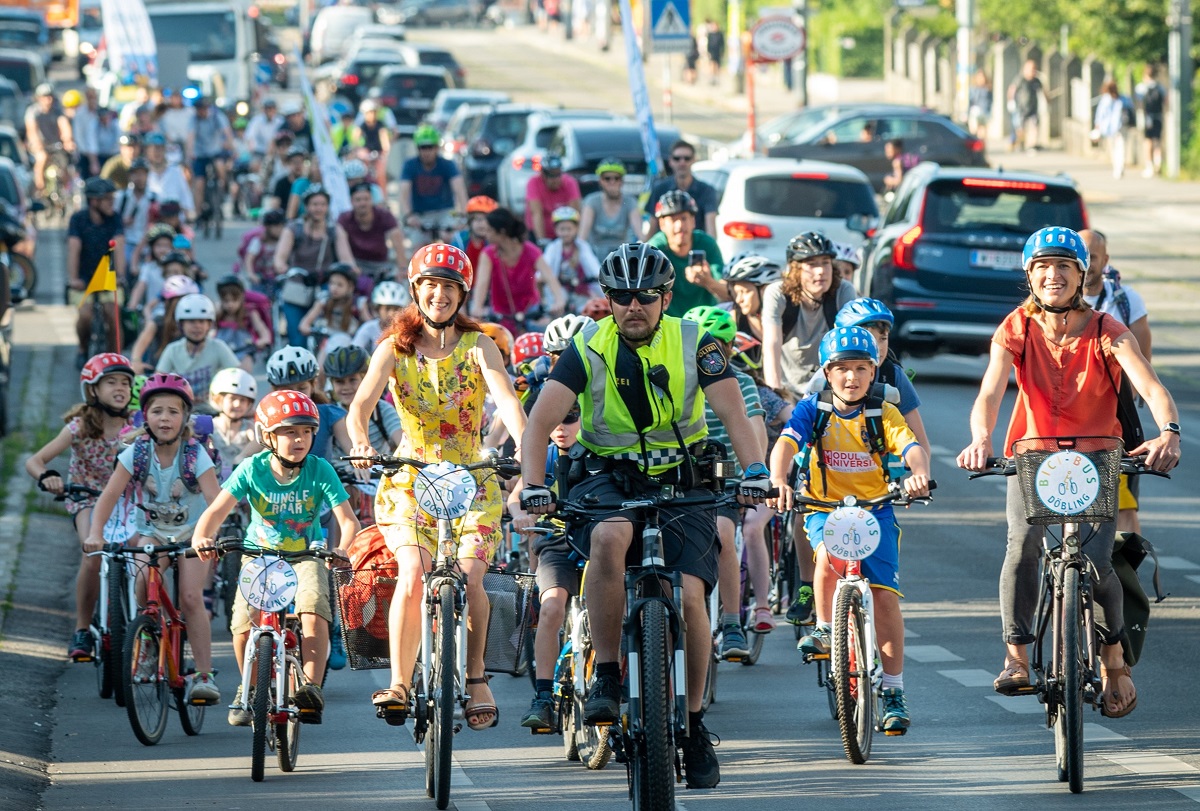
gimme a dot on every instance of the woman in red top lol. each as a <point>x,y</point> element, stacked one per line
<point>1058,344</point>
<point>507,278</point>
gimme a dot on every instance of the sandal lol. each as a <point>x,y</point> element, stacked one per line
<point>392,698</point>
<point>1112,692</point>
<point>1014,679</point>
<point>471,714</point>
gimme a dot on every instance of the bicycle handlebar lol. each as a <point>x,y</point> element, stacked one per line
<point>589,507</point>
<point>897,497</point>
<point>299,554</point>
<point>506,467</point>
<point>73,492</point>
<point>1007,466</point>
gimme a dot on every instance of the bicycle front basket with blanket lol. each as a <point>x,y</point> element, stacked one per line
<point>365,593</point>
<point>1069,478</point>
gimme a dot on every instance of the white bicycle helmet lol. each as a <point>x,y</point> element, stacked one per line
<point>562,330</point>
<point>846,253</point>
<point>195,307</point>
<point>752,268</point>
<point>234,381</point>
<point>291,365</point>
<point>390,294</point>
<point>354,169</point>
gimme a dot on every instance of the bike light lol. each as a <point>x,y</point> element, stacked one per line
<point>903,250</point>
<point>350,80</point>
<point>747,230</point>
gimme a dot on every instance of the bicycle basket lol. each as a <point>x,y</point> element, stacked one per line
<point>364,599</point>
<point>510,597</point>
<point>1069,479</point>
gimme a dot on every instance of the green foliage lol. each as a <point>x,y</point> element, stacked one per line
<point>1190,159</point>
<point>1138,33</point>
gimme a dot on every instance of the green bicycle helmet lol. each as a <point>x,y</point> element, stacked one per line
<point>716,321</point>
<point>610,165</point>
<point>427,135</point>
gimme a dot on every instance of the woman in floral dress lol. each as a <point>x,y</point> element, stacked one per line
<point>439,367</point>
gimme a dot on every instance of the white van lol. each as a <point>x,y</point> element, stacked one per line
<point>220,37</point>
<point>334,27</point>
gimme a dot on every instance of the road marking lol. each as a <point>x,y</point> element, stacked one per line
<point>1171,562</point>
<point>909,633</point>
<point>1094,733</point>
<point>1195,578</point>
<point>1149,763</point>
<point>680,806</point>
<point>930,653</point>
<point>970,678</point>
<point>470,805</point>
<point>1019,705</point>
<point>1191,792</point>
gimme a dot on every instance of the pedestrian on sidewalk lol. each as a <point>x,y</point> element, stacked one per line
<point>1025,95</point>
<point>1114,120</point>
<point>714,45</point>
<point>979,109</point>
<point>1152,96</point>
<point>691,60</point>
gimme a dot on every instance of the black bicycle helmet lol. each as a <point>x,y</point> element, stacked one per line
<point>809,245</point>
<point>230,280</point>
<point>345,361</point>
<point>636,266</point>
<point>139,163</point>
<point>344,270</point>
<point>673,202</point>
<point>98,187</point>
<point>753,268</point>
<point>274,217</point>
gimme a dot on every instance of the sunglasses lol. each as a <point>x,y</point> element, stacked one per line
<point>683,158</point>
<point>571,418</point>
<point>626,297</point>
<point>610,179</point>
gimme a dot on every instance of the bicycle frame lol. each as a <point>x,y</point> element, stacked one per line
<point>444,571</point>
<point>170,621</point>
<point>286,646</point>
<point>110,558</point>
<point>853,579</point>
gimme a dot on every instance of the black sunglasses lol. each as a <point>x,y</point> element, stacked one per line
<point>571,418</point>
<point>682,158</point>
<point>626,297</point>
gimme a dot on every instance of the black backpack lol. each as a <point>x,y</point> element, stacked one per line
<point>1152,101</point>
<point>876,441</point>
<point>791,312</point>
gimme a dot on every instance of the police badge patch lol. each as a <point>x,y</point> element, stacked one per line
<point>711,359</point>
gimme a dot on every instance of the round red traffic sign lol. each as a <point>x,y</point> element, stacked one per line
<point>776,38</point>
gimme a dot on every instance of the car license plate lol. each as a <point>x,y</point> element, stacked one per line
<point>416,104</point>
<point>1002,260</point>
<point>634,184</point>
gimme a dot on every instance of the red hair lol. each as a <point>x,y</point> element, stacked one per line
<point>408,324</point>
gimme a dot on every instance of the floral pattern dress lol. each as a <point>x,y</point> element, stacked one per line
<point>91,463</point>
<point>440,402</point>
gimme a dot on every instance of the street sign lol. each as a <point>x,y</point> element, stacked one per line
<point>670,26</point>
<point>775,39</point>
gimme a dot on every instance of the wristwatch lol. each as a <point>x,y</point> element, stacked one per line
<point>1170,427</point>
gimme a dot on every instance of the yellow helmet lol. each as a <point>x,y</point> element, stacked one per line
<point>72,98</point>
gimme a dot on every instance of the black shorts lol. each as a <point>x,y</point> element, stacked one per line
<point>689,534</point>
<point>1153,129</point>
<point>558,568</point>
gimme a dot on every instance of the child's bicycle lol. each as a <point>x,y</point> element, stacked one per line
<point>851,673</point>
<point>1069,482</point>
<point>272,669</point>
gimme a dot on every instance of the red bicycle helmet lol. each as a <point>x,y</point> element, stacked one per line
<point>528,346</point>
<point>101,366</point>
<point>597,308</point>
<point>441,261</point>
<point>286,407</point>
<point>481,204</point>
<point>166,383</point>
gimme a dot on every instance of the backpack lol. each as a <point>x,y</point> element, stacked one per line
<point>791,313</point>
<point>1152,100</point>
<point>142,448</point>
<point>1128,117</point>
<point>244,245</point>
<point>876,442</point>
<point>1120,297</point>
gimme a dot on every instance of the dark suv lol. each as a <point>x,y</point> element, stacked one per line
<point>490,137</point>
<point>408,92</point>
<point>947,258</point>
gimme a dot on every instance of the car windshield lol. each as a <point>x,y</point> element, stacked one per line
<point>441,59</point>
<point>19,72</point>
<point>787,196</point>
<point>209,35</point>
<point>1011,207</point>
<point>787,127</point>
<point>14,35</point>
<point>624,144</point>
<point>10,150</point>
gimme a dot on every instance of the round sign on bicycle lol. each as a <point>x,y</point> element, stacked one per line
<point>851,533</point>
<point>1067,482</point>
<point>268,583</point>
<point>445,490</point>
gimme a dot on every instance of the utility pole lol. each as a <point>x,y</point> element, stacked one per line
<point>1179,90</point>
<point>802,60</point>
<point>965,14</point>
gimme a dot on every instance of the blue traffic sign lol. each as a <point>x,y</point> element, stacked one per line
<point>670,26</point>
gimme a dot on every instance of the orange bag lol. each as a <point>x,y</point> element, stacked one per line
<point>368,596</point>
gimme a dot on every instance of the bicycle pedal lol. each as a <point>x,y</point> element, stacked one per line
<point>891,733</point>
<point>547,731</point>
<point>734,659</point>
<point>815,657</point>
<point>203,702</point>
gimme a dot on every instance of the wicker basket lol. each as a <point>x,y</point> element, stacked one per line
<point>1104,452</point>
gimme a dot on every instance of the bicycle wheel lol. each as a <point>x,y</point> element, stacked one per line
<point>852,677</point>
<point>830,690</point>
<point>98,337</point>
<point>1068,726</point>
<point>264,656</point>
<point>439,741</point>
<point>191,717</point>
<point>146,700</point>
<point>710,680</point>
<point>23,272</point>
<point>118,604</point>
<point>591,742</point>
<point>653,757</point>
<point>287,734</point>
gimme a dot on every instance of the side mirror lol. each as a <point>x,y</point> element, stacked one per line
<point>862,223</point>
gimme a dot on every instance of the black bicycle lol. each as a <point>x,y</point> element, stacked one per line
<point>212,208</point>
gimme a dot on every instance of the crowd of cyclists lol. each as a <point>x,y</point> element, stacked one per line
<point>601,362</point>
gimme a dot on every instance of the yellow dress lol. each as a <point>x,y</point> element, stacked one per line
<point>440,404</point>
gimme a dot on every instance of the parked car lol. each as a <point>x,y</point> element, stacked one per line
<point>12,147</point>
<point>526,160</point>
<point>26,30</point>
<point>856,136</point>
<point>448,101</point>
<point>454,134</point>
<point>764,202</point>
<point>782,128</point>
<point>435,56</point>
<point>947,258</point>
<point>433,12</point>
<point>395,33</point>
<point>12,103</point>
<point>492,136</point>
<point>333,29</point>
<point>350,78</point>
<point>24,69</point>
<point>583,144</point>
<point>409,92</point>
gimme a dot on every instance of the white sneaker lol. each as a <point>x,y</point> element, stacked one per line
<point>203,690</point>
<point>1148,171</point>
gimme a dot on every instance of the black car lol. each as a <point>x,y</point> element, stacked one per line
<point>434,12</point>
<point>415,53</point>
<point>856,135</point>
<point>583,144</point>
<point>947,258</point>
<point>353,76</point>
<point>409,91</point>
<point>491,136</point>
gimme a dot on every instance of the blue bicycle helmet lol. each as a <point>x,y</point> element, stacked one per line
<point>1055,241</point>
<point>864,311</point>
<point>848,343</point>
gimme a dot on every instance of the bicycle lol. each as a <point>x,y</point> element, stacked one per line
<point>273,669</point>
<point>212,208</point>
<point>851,672</point>
<point>445,492</point>
<point>57,180</point>
<point>1067,482</point>
<point>225,577</point>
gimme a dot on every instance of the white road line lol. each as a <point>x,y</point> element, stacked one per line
<point>1149,763</point>
<point>1171,562</point>
<point>970,678</point>
<point>470,805</point>
<point>1191,792</point>
<point>1195,578</point>
<point>909,633</point>
<point>1019,705</point>
<point>1094,733</point>
<point>680,806</point>
<point>930,653</point>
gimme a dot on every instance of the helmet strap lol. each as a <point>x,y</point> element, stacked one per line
<point>110,411</point>
<point>288,465</point>
<point>158,441</point>
<point>849,403</point>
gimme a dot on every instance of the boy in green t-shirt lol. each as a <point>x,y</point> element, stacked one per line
<point>286,488</point>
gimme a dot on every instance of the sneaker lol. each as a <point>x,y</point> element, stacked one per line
<point>764,622</point>
<point>541,713</point>
<point>733,641</point>
<point>700,764</point>
<point>309,697</point>
<point>800,612</point>
<point>239,717</point>
<point>203,690</point>
<point>816,643</point>
<point>82,646</point>
<point>604,703</point>
<point>337,650</point>
<point>895,710</point>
